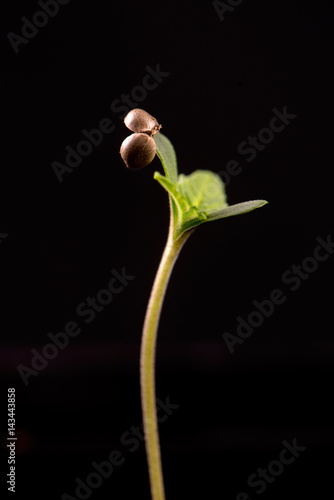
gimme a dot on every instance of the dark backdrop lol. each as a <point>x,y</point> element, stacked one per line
<point>223,73</point>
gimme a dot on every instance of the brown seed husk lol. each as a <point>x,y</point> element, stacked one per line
<point>138,120</point>
<point>138,150</point>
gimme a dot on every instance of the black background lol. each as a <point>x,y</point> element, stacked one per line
<point>224,79</point>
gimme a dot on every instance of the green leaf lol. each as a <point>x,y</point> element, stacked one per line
<point>229,211</point>
<point>179,199</point>
<point>196,198</point>
<point>203,189</point>
<point>167,156</point>
<point>239,208</point>
<point>184,214</point>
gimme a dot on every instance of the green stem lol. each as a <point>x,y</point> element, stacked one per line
<point>147,358</point>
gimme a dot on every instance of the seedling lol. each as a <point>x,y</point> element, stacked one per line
<point>193,200</point>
